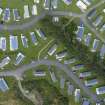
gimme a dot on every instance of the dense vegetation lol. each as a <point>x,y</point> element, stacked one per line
<point>13,96</point>
<point>49,93</point>
<point>64,32</point>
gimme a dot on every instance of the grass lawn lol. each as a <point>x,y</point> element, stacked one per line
<point>72,7</point>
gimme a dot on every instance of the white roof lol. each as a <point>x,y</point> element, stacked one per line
<point>36,1</point>
<point>77,92</point>
<point>61,55</point>
<point>52,50</point>
<point>77,95</point>
<point>1,10</point>
<point>53,77</point>
<point>70,61</point>
<point>34,10</point>
<point>104,10</point>
<point>4,62</point>
<point>81,5</point>
<point>26,11</point>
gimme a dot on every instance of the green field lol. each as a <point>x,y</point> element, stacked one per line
<point>71,8</point>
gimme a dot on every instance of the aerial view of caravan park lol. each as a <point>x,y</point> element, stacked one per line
<point>52,52</point>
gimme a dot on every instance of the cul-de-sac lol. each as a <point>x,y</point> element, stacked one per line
<point>52,52</point>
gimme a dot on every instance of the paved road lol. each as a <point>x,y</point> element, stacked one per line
<point>23,26</point>
<point>34,20</point>
<point>18,73</point>
<point>27,95</point>
<point>63,13</point>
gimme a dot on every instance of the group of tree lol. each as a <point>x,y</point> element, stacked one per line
<point>65,33</point>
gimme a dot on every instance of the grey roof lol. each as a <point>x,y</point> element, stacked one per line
<point>68,2</point>
<point>70,61</point>
<point>47,4</point>
<point>78,66</point>
<point>6,14</point>
<point>24,41</point>
<point>40,73</point>
<point>102,28</point>
<point>100,90</point>
<point>3,85</point>
<point>95,44</point>
<point>102,51</point>
<point>97,21</point>
<point>92,14</point>
<point>85,74</point>
<point>80,32</point>
<point>54,3</point>
<point>70,89</point>
<point>41,34</point>
<point>86,102</point>
<point>62,82</point>
<point>88,39</point>
<point>33,38</point>
<point>3,43</point>
<point>16,14</point>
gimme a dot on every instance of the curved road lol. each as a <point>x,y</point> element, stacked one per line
<point>34,20</point>
<point>23,26</point>
<point>18,73</point>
